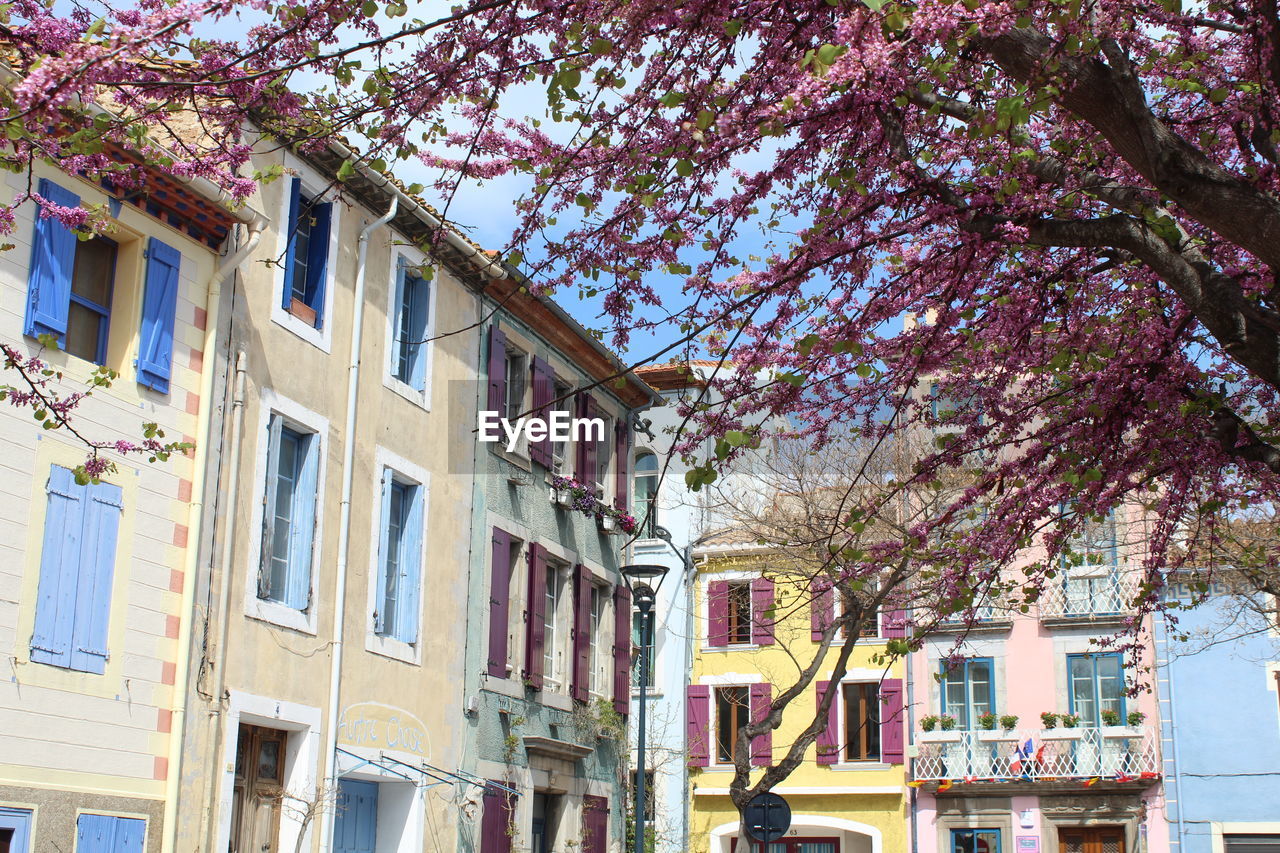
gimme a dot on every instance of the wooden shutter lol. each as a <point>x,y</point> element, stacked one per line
<point>761,608</point>
<point>828,742</point>
<point>59,568</point>
<point>761,746</point>
<point>409,593</point>
<point>895,623</point>
<point>291,242</point>
<point>587,449</point>
<point>53,258</point>
<point>579,687</point>
<point>622,648</point>
<point>698,724</point>
<point>495,836</point>
<point>318,258</point>
<point>595,824</point>
<point>159,313</point>
<point>499,593</point>
<point>891,721</point>
<point>718,613</point>
<point>97,833</point>
<point>622,469</point>
<point>97,570</point>
<point>543,393</point>
<point>536,626</point>
<point>822,608</point>
<point>303,529</point>
<point>497,370</point>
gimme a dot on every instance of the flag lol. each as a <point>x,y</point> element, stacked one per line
<point>1124,777</point>
<point>1020,754</point>
<point>945,784</point>
<point>915,783</point>
<point>1089,783</point>
<point>968,780</point>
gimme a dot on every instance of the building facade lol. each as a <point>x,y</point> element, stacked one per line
<point>548,650</point>
<point>849,795</point>
<point>95,576</point>
<point>1219,674</point>
<point>325,703</point>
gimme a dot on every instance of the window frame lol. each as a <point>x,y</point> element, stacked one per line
<point>562,454</point>
<point>645,512</point>
<point>403,260</point>
<point>741,716</point>
<point>557,627</point>
<point>20,820</point>
<point>103,311</point>
<point>642,651</point>
<point>955,831</point>
<point>405,473</point>
<point>599,651</point>
<point>272,403</point>
<point>317,187</point>
<point>967,724</point>
<point>736,626</point>
<point>870,725</point>
<point>1095,685</point>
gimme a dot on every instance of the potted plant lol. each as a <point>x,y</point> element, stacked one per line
<point>938,729</point>
<point>928,722</point>
<point>1135,719</point>
<point>946,722</point>
<point>1048,720</point>
<point>1008,722</point>
<point>1070,727</point>
<point>1070,721</point>
<point>607,523</point>
<point>987,721</point>
<point>1109,717</point>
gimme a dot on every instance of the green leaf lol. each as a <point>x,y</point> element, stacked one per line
<point>684,168</point>
<point>369,9</point>
<point>601,46</point>
<point>874,5</point>
<point>737,438</point>
<point>346,171</point>
<point>732,28</point>
<point>705,118</point>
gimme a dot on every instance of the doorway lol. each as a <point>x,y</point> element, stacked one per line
<point>1093,839</point>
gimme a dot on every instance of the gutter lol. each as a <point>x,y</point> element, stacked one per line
<point>344,521</point>
<point>255,222</point>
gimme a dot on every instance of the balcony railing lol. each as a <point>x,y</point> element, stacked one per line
<point>1114,753</point>
<point>1091,592</point>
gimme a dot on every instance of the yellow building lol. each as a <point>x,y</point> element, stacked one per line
<point>754,632</point>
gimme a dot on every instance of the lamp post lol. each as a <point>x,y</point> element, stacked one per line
<point>643,596</point>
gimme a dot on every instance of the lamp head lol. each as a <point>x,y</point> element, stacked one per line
<point>644,580</point>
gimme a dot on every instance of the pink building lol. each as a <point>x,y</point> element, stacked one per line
<point>1085,777</point>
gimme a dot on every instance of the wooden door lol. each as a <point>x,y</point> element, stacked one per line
<point>1093,839</point>
<point>259,784</point>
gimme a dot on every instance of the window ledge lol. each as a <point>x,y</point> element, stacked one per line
<point>519,458</point>
<point>279,614</point>
<point>855,766</point>
<point>743,647</point>
<point>389,647</point>
<point>649,693</point>
<point>421,399</point>
<point>318,338</point>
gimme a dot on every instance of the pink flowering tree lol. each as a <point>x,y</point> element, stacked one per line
<point>1045,232</point>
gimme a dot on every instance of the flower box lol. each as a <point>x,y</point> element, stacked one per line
<point>939,736</point>
<point>996,735</point>
<point>607,523</point>
<point>1121,731</point>
<point>561,497</point>
<point>1060,734</point>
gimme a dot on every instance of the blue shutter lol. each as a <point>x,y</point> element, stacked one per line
<point>302,534</point>
<point>269,506</point>
<point>59,569</point>
<point>318,258</point>
<point>291,244</point>
<point>97,567</point>
<point>397,321</point>
<point>159,310</point>
<point>380,591</point>
<point>355,826</point>
<point>130,833</point>
<point>53,258</point>
<point>95,833</point>
<point>419,306</point>
<point>410,568</point>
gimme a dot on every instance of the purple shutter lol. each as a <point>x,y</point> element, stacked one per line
<point>622,648</point>
<point>718,613</point>
<point>622,469</point>
<point>595,824</point>
<point>497,370</point>
<point>581,627</point>
<point>895,623</point>
<point>761,610</point>
<point>499,589</point>
<point>823,608</point>
<point>762,746</point>
<point>536,627</point>
<point>494,834</point>
<point>891,734</point>
<point>543,392</point>
<point>829,740</point>
<point>697,703</point>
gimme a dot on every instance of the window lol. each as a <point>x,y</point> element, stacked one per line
<point>645,652</point>
<point>646,494</point>
<point>514,405</point>
<point>15,830</point>
<point>257,789</point>
<point>731,715</point>
<point>306,257</point>
<point>1091,582</point>
<point>739,613</point>
<point>604,453</point>
<point>560,447</point>
<point>89,313</point>
<point>1097,685</point>
<point>100,833</point>
<point>543,825</point>
<point>399,560</point>
<point>861,721</point>
<point>77,565</point>
<point>967,691</point>
<point>1251,843</point>
<point>975,841</point>
<point>411,327</point>
<point>650,796</point>
<point>293,460</point>
<point>597,658</point>
<point>553,654</point>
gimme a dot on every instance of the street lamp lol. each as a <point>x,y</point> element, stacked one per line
<point>643,595</point>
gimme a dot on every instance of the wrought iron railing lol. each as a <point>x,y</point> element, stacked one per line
<point>1086,592</point>
<point>1119,753</point>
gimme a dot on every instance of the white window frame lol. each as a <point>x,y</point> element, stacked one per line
<point>605,461</point>
<point>316,187</point>
<point>556,677</point>
<point>713,759</point>
<point>415,475</point>
<point>562,464</point>
<point>600,657</point>
<point>271,403</point>
<point>413,258</point>
<point>875,677</point>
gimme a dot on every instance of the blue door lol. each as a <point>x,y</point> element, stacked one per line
<point>355,827</point>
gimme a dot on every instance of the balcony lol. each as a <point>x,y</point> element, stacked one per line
<point>1090,594</point>
<point>1115,756</point>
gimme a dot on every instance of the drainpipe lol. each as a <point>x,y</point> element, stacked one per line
<point>217,742</point>
<point>344,519</point>
<point>195,528</point>
<point>911,727</point>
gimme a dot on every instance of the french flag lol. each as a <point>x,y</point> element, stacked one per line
<point>1021,754</point>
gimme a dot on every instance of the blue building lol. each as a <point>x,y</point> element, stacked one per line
<point>1219,684</point>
